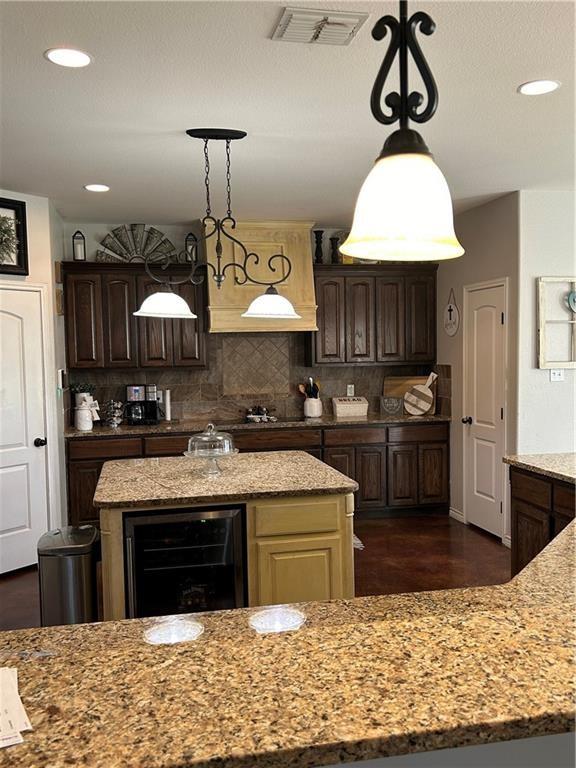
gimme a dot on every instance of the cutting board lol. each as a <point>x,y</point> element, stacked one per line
<point>397,386</point>
<point>419,398</point>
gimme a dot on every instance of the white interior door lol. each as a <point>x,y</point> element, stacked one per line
<point>23,482</point>
<point>484,403</point>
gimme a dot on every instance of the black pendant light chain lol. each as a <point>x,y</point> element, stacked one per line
<point>207,178</point>
<point>219,228</point>
<point>228,182</point>
<point>405,105</point>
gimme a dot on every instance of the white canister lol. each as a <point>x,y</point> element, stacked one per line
<point>81,398</point>
<point>167,405</point>
<point>83,419</point>
<point>312,408</point>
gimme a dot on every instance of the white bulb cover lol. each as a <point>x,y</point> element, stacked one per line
<point>271,306</point>
<point>165,304</point>
<point>538,87</point>
<point>97,187</point>
<point>403,213</point>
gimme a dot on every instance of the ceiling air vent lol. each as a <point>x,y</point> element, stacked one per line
<point>304,25</point>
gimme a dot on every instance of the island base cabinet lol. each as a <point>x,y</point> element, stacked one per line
<point>300,549</point>
<point>294,569</point>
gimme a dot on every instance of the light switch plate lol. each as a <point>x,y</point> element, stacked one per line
<point>349,390</point>
<point>556,374</point>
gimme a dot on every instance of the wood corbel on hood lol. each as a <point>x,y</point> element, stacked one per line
<point>226,305</point>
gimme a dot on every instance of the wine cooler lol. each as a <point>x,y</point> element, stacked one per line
<point>184,561</point>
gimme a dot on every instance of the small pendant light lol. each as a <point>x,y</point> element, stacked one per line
<point>404,210</point>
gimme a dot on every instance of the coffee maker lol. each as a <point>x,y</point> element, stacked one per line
<point>142,406</point>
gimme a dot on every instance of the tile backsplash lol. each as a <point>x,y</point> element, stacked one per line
<point>246,369</point>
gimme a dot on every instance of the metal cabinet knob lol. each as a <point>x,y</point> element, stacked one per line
<point>40,441</point>
<point>467,420</point>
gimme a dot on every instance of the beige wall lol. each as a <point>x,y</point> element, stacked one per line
<point>489,233</point>
<point>41,220</point>
<point>546,410</point>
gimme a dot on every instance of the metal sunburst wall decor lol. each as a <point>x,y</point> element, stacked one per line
<point>136,242</point>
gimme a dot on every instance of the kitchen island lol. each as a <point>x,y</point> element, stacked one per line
<point>298,516</point>
<point>364,678</point>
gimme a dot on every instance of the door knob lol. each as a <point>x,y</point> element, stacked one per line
<point>467,420</point>
<point>40,441</point>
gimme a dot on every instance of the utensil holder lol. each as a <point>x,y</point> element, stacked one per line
<point>312,408</point>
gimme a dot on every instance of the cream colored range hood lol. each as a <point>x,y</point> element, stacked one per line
<point>227,303</point>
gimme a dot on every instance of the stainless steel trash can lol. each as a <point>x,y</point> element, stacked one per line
<point>67,573</point>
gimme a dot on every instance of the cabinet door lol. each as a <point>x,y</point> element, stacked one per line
<point>402,475</point>
<point>84,334</point>
<point>329,339</point>
<point>155,335</point>
<point>342,459</point>
<point>421,318</point>
<point>190,335</point>
<point>360,323</point>
<point>82,481</point>
<point>119,304</point>
<point>371,476</point>
<point>390,319</point>
<point>293,569</point>
<point>530,533</point>
<point>433,473</point>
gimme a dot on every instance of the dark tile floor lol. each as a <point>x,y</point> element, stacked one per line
<point>401,555</point>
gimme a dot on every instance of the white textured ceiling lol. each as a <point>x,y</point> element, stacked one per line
<point>162,67</point>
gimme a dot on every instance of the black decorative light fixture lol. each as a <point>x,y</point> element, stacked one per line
<point>270,304</point>
<point>404,210</point>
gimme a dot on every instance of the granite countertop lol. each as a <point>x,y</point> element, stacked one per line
<point>362,678</point>
<point>182,480</point>
<point>560,466</point>
<point>188,426</point>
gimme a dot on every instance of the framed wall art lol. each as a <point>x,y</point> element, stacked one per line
<point>557,322</point>
<point>13,237</point>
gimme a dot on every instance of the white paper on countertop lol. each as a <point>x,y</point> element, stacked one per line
<point>13,717</point>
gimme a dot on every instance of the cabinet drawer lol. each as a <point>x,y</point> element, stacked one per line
<point>353,436</point>
<point>278,439</point>
<point>105,449</point>
<point>172,445</point>
<point>291,517</point>
<point>534,490</point>
<point>418,433</point>
<point>565,499</point>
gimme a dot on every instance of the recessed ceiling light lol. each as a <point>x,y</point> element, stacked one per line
<point>97,187</point>
<point>68,57</point>
<point>538,87</point>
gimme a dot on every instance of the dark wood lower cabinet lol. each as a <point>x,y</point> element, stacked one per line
<point>342,459</point>
<point>82,481</point>
<point>402,475</point>
<point>371,476</point>
<point>541,508</point>
<point>530,532</point>
<point>433,473</point>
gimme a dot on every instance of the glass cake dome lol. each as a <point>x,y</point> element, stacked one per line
<point>211,445</point>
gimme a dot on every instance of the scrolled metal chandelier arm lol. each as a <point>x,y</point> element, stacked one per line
<point>244,266</point>
<point>404,105</point>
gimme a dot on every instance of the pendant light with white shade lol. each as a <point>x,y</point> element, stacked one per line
<point>270,305</point>
<point>404,209</point>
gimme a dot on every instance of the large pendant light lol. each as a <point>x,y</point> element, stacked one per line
<point>270,305</point>
<point>404,210</point>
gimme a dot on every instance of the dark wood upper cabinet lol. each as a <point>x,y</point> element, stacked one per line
<point>390,319</point>
<point>360,320</point>
<point>421,318</point>
<point>189,336</point>
<point>330,339</point>
<point>102,332</point>
<point>119,304</point>
<point>85,348</point>
<point>374,315</point>
<point>155,334</point>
